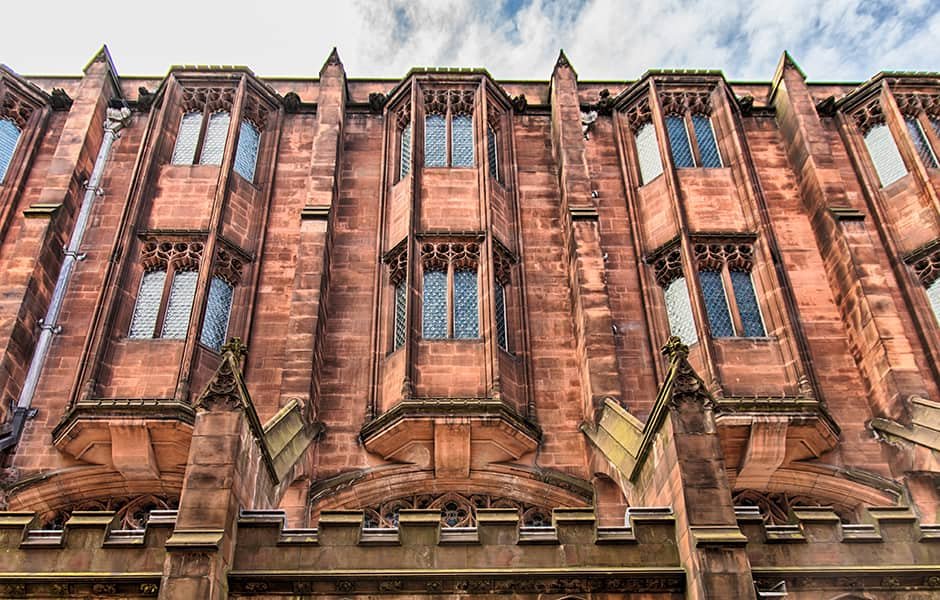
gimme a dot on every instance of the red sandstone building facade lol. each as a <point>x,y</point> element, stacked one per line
<point>447,336</point>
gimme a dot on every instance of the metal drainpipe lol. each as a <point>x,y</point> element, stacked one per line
<point>117,119</point>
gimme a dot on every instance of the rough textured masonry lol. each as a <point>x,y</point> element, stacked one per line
<point>449,337</point>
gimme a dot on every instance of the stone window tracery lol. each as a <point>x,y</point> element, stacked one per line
<point>204,127</point>
<point>775,507</point>
<point>448,128</point>
<point>457,510</point>
<point>689,129</point>
<point>730,300</point>
<point>668,269</point>
<point>403,122</point>
<point>921,114</point>
<point>398,269</point>
<point>502,268</point>
<point>927,269</point>
<point>14,114</point>
<point>881,146</point>
<point>131,512</point>
<point>450,307</point>
<point>168,288</point>
<point>640,121</point>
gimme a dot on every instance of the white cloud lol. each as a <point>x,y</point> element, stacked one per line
<point>605,39</point>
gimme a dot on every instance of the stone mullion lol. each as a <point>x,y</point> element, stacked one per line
<point>689,267</point>
<point>485,270</point>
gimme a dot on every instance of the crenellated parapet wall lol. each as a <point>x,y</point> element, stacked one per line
<point>890,551</point>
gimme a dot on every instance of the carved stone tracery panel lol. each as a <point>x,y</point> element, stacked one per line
<point>682,102</point>
<point>457,510</point>
<point>667,266</point>
<point>775,507</point>
<point>15,109</point>
<point>868,115</point>
<point>209,99</point>
<point>160,255</point>
<point>711,256</point>
<point>639,114</point>
<point>132,511</point>
<point>913,104</point>
<point>437,255</point>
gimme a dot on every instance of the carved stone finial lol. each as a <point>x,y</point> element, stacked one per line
<point>60,100</point>
<point>562,60</point>
<point>291,102</point>
<point>377,102</point>
<point>236,348</point>
<point>333,58</point>
<point>674,349</point>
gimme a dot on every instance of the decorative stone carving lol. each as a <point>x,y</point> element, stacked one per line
<point>222,390</point>
<point>685,386</point>
<point>145,99</point>
<point>132,511</point>
<point>435,102</point>
<point>377,102</point>
<point>256,112</point>
<point>13,108</point>
<point>183,255</point>
<point>502,265</point>
<point>436,255</point>
<point>519,103</point>
<point>682,102</point>
<point>775,507</point>
<point>228,266</point>
<point>869,115</point>
<point>667,265</point>
<point>711,256</point>
<point>403,116</point>
<point>461,101</point>
<point>397,265</point>
<point>291,102</point>
<point>913,104</point>
<point>457,510</point>
<point>493,115</point>
<point>927,265</point>
<point>209,99</point>
<point>60,100</point>
<point>639,114</point>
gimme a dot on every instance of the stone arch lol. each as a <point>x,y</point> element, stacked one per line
<point>852,596</point>
<point>372,488</point>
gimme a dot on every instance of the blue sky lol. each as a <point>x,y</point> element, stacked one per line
<point>835,40</point>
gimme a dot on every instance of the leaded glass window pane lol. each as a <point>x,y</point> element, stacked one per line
<point>401,304</point>
<point>679,141</point>
<point>218,308</point>
<point>647,150</point>
<point>933,294</point>
<point>180,304</point>
<point>461,133</point>
<point>246,155</point>
<point>748,307</point>
<point>466,314</point>
<point>920,142</point>
<point>716,304</point>
<point>884,154</point>
<point>213,147</point>
<point>434,305</point>
<point>679,311</point>
<point>405,152</point>
<point>435,141</point>
<point>184,152</point>
<point>492,153</point>
<point>705,137</point>
<point>149,295</point>
<point>500,301</point>
<point>9,137</point>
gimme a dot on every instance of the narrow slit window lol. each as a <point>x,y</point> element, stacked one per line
<point>748,307</point>
<point>187,137</point>
<point>462,140</point>
<point>679,311</point>
<point>705,136</point>
<point>434,305</point>
<point>647,150</point>
<point>246,154</point>
<point>466,313</point>
<point>149,295</point>
<point>679,142</point>
<point>180,305</point>
<point>492,153</point>
<point>435,141</point>
<point>920,142</point>
<point>884,154</point>
<point>218,309</point>
<point>9,138</point>
<point>401,304</point>
<point>716,304</point>
<point>933,295</point>
<point>405,155</point>
<point>213,146</point>
<point>499,300</point>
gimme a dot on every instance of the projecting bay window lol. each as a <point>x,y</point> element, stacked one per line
<point>9,139</point>
<point>201,139</point>
<point>728,289</point>
<point>167,291</point>
<point>450,291</point>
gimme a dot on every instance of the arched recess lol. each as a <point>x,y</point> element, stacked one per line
<point>810,486</point>
<point>610,505</point>
<point>95,487</point>
<point>370,489</point>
